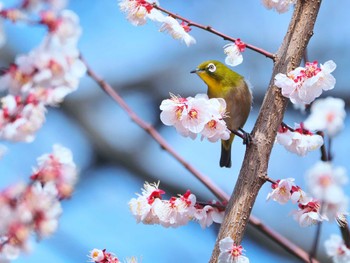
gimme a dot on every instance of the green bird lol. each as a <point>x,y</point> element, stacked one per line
<point>225,83</point>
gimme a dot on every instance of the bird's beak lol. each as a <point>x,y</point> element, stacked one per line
<point>197,70</point>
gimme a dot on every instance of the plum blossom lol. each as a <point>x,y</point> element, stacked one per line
<point>304,84</point>
<point>231,253</point>
<point>57,167</point>
<point>207,214</point>
<point>281,6</point>
<point>325,183</point>
<point>299,141</point>
<point>281,191</point>
<point>37,5</point>
<point>138,11</point>
<point>199,115</point>
<point>337,250</point>
<point>26,209</point>
<point>177,30</point>
<point>327,115</point>
<point>150,208</point>
<point>309,214</point>
<point>102,256</point>
<point>20,118</point>
<point>64,27</point>
<point>233,52</point>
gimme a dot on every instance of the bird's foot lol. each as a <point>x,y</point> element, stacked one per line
<point>246,137</point>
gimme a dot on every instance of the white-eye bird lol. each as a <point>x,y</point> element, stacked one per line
<point>225,83</point>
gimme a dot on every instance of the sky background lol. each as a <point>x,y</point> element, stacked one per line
<point>115,156</point>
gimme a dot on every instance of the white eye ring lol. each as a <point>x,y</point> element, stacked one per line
<point>211,67</point>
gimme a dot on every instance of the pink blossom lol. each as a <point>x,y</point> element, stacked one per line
<point>309,214</point>
<point>299,141</point>
<point>177,30</point>
<point>327,115</point>
<point>281,191</point>
<point>281,6</point>
<point>234,53</point>
<point>102,256</point>
<point>208,214</point>
<point>20,119</point>
<point>304,84</point>
<point>138,11</point>
<point>231,253</point>
<point>336,249</point>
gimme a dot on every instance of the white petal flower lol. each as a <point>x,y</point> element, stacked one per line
<point>282,191</point>
<point>300,141</point>
<point>327,115</point>
<point>303,84</point>
<point>231,253</point>
<point>281,6</point>
<point>234,53</point>
<point>177,30</point>
<point>336,249</point>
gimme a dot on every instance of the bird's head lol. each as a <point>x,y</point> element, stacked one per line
<point>215,73</point>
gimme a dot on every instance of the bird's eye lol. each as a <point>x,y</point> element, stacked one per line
<point>211,67</point>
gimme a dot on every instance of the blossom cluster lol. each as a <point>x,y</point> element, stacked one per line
<point>325,182</point>
<point>233,53</point>
<point>281,6</point>
<point>138,11</point>
<point>150,208</point>
<point>41,78</point>
<point>230,252</point>
<point>298,140</point>
<point>304,84</point>
<point>308,212</point>
<point>199,115</point>
<point>336,249</point>
<point>35,207</point>
<point>23,11</point>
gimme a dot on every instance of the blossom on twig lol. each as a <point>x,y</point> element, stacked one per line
<point>231,253</point>
<point>304,84</point>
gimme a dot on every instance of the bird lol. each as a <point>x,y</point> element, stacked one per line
<point>225,83</point>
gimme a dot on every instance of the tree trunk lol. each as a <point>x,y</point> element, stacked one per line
<point>255,164</point>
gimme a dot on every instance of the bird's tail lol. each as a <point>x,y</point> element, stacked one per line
<point>225,159</point>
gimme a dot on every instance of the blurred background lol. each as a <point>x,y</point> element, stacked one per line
<point>115,156</point>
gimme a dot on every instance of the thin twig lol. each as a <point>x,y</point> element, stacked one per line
<point>215,32</point>
<point>324,155</point>
<point>313,251</point>
<point>219,193</point>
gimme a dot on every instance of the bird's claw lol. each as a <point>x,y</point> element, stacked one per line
<point>247,138</point>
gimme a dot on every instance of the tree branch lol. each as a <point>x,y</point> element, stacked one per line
<point>257,155</point>
<point>215,32</point>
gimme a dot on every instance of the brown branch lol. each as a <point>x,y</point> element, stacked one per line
<point>220,194</point>
<point>215,32</point>
<point>255,162</point>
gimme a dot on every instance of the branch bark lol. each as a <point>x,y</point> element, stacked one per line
<point>255,164</point>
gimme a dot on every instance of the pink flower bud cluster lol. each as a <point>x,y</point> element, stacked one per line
<point>35,207</point>
<point>150,208</point>
<point>138,11</point>
<point>41,78</point>
<point>199,115</point>
<point>299,140</point>
<point>304,84</point>
<point>309,208</point>
<point>230,252</point>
